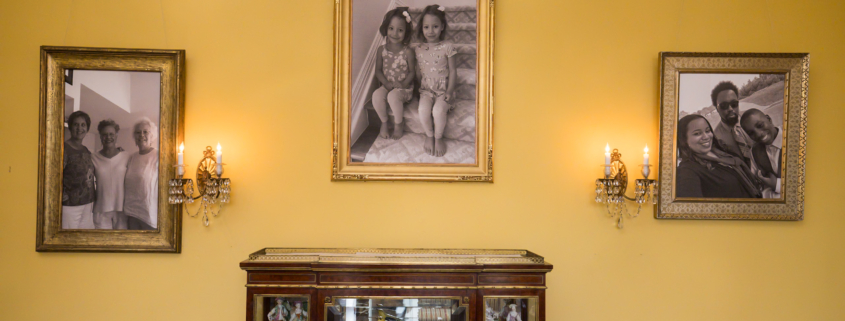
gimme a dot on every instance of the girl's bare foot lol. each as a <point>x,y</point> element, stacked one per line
<point>439,147</point>
<point>429,145</point>
<point>384,132</point>
<point>398,131</point>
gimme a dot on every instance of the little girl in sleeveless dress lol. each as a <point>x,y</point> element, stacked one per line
<point>436,61</point>
<point>394,70</point>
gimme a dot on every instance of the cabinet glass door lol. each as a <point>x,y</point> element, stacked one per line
<point>510,308</point>
<point>396,309</point>
<point>279,307</point>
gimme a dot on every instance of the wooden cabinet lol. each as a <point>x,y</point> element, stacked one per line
<point>395,284</point>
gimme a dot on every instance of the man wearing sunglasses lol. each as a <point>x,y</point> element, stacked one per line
<point>729,133</point>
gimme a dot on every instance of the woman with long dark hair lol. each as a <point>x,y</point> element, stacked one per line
<point>707,171</point>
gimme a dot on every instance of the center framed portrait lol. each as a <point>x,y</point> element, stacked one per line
<point>413,90</point>
<point>733,135</point>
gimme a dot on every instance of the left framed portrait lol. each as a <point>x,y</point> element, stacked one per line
<point>109,119</point>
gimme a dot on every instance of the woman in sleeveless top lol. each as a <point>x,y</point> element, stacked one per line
<point>78,182</point>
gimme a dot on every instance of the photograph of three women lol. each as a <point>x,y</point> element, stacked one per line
<point>111,155</point>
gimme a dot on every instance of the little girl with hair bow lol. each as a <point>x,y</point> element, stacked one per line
<point>436,60</point>
<point>395,71</point>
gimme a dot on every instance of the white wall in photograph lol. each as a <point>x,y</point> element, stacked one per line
<point>112,85</point>
<point>366,19</point>
<point>145,94</point>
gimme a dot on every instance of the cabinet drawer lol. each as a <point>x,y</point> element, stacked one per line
<point>398,279</point>
<point>511,279</point>
<point>283,278</point>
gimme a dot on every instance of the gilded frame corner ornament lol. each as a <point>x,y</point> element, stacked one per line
<point>795,67</point>
<point>345,170</point>
<point>54,61</point>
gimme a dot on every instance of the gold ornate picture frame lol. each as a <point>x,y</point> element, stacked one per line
<point>764,97</point>
<point>351,99</point>
<point>64,68</point>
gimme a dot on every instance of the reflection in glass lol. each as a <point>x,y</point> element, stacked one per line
<point>396,309</point>
<point>510,309</point>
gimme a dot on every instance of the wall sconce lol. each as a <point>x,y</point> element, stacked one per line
<point>212,187</point>
<point>610,190</point>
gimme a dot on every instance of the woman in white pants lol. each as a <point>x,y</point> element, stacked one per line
<point>110,169</point>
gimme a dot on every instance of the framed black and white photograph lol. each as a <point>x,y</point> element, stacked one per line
<point>733,135</point>
<point>110,119</point>
<point>412,90</point>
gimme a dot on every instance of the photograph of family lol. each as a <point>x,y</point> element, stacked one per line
<point>730,135</point>
<point>111,151</point>
<point>413,96</point>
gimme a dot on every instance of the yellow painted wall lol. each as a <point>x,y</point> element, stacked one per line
<point>570,76</point>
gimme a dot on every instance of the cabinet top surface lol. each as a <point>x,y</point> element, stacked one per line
<point>395,256</point>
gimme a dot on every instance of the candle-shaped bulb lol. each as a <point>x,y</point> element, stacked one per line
<point>646,149</point>
<point>180,159</point>
<point>219,160</point>
<point>219,153</point>
<point>607,160</point>
<point>645,160</point>
<point>607,148</point>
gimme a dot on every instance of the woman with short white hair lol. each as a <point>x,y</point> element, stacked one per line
<point>140,202</point>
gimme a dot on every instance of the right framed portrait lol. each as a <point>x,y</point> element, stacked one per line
<point>733,135</point>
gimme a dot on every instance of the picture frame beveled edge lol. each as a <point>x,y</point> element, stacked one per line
<point>172,236</point>
<point>484,151</point>
<point>802,80</point>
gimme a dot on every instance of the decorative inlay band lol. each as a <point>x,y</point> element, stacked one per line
<point>406,287</point>
<point>398,256</point>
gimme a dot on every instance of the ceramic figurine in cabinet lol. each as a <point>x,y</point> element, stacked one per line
<point>513,315</point>
<point>489,314</point>
<point>298,314</point>
<point>279,312</point>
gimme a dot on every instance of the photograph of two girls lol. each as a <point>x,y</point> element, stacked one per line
<point>414,69</point>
